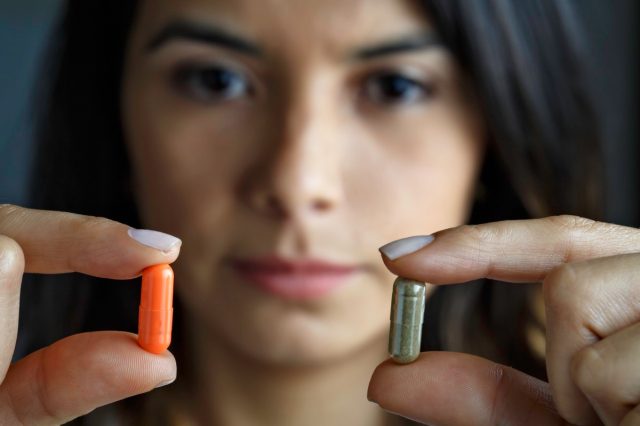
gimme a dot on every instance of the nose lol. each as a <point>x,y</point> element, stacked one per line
<point>298,174</point>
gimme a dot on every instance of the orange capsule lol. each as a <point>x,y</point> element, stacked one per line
<point>156,309</point>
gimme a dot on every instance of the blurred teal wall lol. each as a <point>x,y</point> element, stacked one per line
<point>24,29</point>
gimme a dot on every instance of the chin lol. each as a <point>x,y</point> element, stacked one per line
<point>278,333</point>
<point>288,338</point>
<point>264,328</point>
<point>291,349</point>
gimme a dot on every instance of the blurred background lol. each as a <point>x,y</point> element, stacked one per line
<point>24,27</point>
<point>612,26</point>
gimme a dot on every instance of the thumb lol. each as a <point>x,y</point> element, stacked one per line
<point>78,374</point>
<point>455,389</point>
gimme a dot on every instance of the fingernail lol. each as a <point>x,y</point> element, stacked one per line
<point>154,239</point>
<point>165,383</point>
<point>405,246</point>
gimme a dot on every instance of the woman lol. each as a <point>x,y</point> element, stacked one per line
<point>282,143</point>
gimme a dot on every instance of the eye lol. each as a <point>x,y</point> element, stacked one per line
<point>211,82</point>
<point>394,88</point>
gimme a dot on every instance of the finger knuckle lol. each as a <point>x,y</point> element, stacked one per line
<point>88,237</point>
<point>43,389</point>
<point>589,370</point>
<point>91,224</point>
<point>9,213</point>
<point>561,288</point>
<point>11,257</point>
<point>578,232</point>
<point>9,414</point>
<point>6,209</point>
<point>482,234</point>
<point>569,222</point>
<point>570,293</point>
<point>479,242</point>
<point>499,373</point>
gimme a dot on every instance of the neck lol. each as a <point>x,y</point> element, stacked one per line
<point>234,389</point>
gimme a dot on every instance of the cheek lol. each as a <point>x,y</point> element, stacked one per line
<point>414,178</point>
<point>186,158</point>
<point>186,162</point>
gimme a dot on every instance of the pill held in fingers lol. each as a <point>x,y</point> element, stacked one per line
<point>156,309</point>
<point>407,312</point>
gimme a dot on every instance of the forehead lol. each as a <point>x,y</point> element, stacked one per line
<point>330,24</point>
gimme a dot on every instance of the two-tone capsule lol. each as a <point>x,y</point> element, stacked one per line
<point>155,315</point>
<point>407,312</point>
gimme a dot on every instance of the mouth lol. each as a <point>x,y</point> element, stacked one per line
<point>296,279</point>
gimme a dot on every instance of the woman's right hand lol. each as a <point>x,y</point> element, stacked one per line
<point>79,373</point>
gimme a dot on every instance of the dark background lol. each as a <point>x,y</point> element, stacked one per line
<point>613,30</point>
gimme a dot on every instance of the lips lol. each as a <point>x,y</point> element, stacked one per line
<point>293,278</point>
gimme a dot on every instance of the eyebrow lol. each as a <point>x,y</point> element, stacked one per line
<point>403,45</point>
<point>203,33</point>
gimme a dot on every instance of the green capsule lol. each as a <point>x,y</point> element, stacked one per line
<point>407,312</point>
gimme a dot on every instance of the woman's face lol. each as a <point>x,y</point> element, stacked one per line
<point>284,141</point>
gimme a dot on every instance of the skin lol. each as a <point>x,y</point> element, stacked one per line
<point>589,274</point>
<point>77,374</point>
<point>315,175</point>
<point>322,171</point>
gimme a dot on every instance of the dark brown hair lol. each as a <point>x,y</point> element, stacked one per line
<point>527,61</point>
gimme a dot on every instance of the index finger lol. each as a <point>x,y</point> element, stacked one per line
<point>515,251</point>
<point>58,242</point>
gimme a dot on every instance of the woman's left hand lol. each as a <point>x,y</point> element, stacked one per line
<point>591,284</point>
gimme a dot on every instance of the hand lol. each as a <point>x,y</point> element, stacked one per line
<point>591,284</point>
<point>77,374</point>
